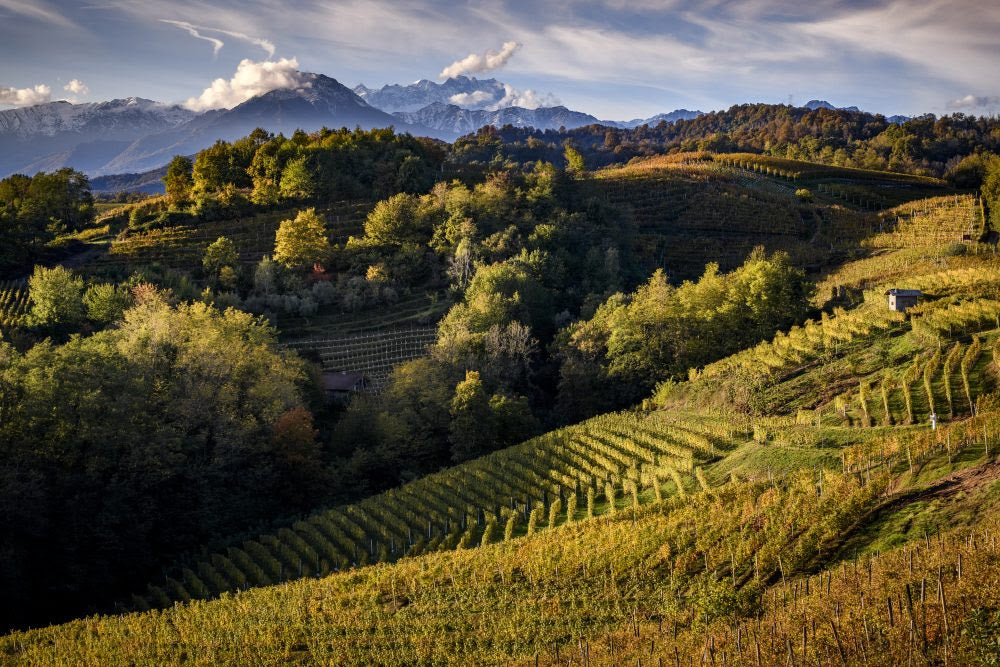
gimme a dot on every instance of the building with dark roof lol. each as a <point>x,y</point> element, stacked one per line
<point>901,299</point>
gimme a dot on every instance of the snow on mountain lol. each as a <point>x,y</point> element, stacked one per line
<point>85,136</point>
<point>126,114</point>
<point>319,102</point>
<point>456,121</point>
<point>653,121</point>
<point>463,91</point>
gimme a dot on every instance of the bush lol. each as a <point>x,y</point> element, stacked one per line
<point>105,303</point>
<point>56,297</point>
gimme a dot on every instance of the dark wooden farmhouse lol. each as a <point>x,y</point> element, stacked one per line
<point>338,386</point>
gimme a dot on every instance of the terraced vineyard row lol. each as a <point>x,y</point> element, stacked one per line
<point>687,214</point>
<point>375,354</point>
<point>946,382</point>
<point>415,311</point>
<point>607,464</point>
<point>800,170</point>
<point>947,219</point>
<point>184,246</point>
<point>807,342</point>
<point>14,302</point>
<point>936,320</point>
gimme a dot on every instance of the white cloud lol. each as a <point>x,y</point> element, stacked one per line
<point>251,79</point>
<point>265,44</point>
<point>217,44</point>
<point>527,99</point>
<point>472,99</point>
<point>476,62</point>
<point>23,97</point>
<point>76,87</point>
<point>975,102</point>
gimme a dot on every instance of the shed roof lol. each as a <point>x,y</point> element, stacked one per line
<point>904,292</point>
<point>341,381</point>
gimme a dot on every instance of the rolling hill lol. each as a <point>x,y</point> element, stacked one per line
<point>679,530</point>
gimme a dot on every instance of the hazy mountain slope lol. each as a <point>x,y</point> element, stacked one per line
<point>84,136</point>
<point>323,103</point>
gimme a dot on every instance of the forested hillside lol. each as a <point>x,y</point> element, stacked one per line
<point>688,352</point>
<point>925,145</point>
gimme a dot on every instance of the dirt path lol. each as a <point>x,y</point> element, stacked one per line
<point>959,481</point>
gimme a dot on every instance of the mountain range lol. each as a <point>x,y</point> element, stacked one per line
<point>137,135</point>
<point>466,92</point>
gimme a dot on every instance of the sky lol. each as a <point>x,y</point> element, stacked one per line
<point>615,59</point>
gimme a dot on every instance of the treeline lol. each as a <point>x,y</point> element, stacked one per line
<point>231,179</point>
<point>329,164</point>
<point>35,209</point>
<point>925,145</point>
<point>121,450</point>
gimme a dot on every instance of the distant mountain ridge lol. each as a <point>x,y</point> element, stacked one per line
<point>823,104</point>
<point>48,136</point>
<point>458,121</point>
<point>135,135</point>
<point>463,91</point>
<point>677,114</point>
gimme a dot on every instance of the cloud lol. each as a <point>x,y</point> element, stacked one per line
<point>76,87</point>
<point>23,97</point>
<point>527,99</point>
<point>475,62</point>
<point>975,102</point>
<point>217,44</point>
<point>472,99</point>
<point>251,79</point>
<point>265,44</point>
<point>37,10</point>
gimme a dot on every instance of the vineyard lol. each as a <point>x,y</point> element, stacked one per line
<point>375,354</point>
<point>692,208</point>
<point>826,497</point>
<point>690,213</point>
<point>867,365</point>
<point>414,311</point>
<point>799,170</point>
<point>14,303</point>
<point>608,464</point>
<point>949,219</point>
<point>182,247</point>
<point>737,573</point>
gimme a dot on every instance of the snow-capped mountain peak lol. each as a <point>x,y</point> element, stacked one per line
<point>62,116</point>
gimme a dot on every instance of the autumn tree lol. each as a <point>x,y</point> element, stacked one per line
<point>106,303</point>
<point>472,431</point>
<point>302,242</point>
<point>574,160</point>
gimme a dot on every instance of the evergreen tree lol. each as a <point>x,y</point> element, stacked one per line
<point>178,179</point>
